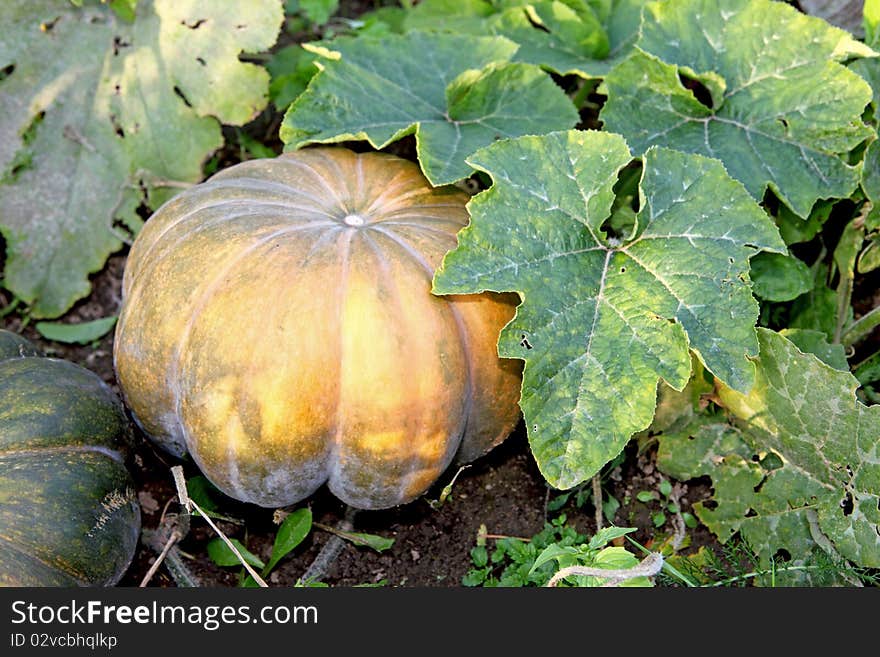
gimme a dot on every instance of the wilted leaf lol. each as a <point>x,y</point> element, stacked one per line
<point>603,318</point>
<point>95,109</point>
<point>222,555</point>
<point>802,473</point>
<point>372,541</point>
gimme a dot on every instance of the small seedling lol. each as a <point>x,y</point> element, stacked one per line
<point>517,562</point>
<point>292,531</point>
<point>82,333</point>
<point>447,490</point>
<point>667,503</point>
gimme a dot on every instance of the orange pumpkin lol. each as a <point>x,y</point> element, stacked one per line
<point>278,325</point>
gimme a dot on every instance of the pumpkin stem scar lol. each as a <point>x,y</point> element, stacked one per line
<point>353,220</point>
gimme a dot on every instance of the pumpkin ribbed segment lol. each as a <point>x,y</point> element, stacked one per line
<point>278,325</point>
<point>68,512</point>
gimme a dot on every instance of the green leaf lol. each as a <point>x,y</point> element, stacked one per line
<point>98,99</point>
<point>814,342</point>
<point>222,555</point>
<point>779,277</point>
<point>868,370</point>
<point>479,556</point>
<point>871,22</point>
<point>817,309</point>
<point>554,551</point>
<point>820,489</point>
<point>125,9</point>
<point>209,499</point>
<point>610,507</point>
<point>292,532</point>
<point>564,36</point>
<point>252,148</point>
<point>608,534</point>
<point>372,541</point>
<point>461,16</point>
<point>871,182</point>
<point>869,259</point>
<point>617,558</point>
<point>603,318</point>
<point>782,115</point>
<point>795,230</point>
<point>83,333</point>
<point>571,37</point>
<point>665,488</point>
<point>456,93</point>
<point>658,519</point>
<point>291,68</point>
<point>845,255</point>
<point>677,408</point>
<point>318,12</point>
<point>870,68</point>
<point>646,496</point>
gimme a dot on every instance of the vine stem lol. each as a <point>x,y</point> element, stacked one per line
<point>175,536</point>
<point>860,328</point>
<point>647,567</point>
<point>582,93</point>
<point>330,550</point>
<point>597,499</point>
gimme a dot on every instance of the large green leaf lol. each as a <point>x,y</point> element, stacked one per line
<point>603,318</point>
<point>572,36</point>
<point>456,93</point>
<point>803,472</point>
<point>870,68</point>
<point>98,115</point>
<point>580,37</point>
<point>782,111</point>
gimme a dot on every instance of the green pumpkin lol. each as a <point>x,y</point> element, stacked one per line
<point>68,510</point>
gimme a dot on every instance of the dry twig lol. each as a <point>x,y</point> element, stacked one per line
<point>648,567</point>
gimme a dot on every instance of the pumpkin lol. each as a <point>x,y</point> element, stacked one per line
<point>278,325</point>
<point>68,511</point>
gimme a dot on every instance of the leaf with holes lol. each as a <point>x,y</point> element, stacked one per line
<point>604,317</point>
<point>98,114</point>
<point>753,83</point>
<point>802,473</point>
<point>457,93</point>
